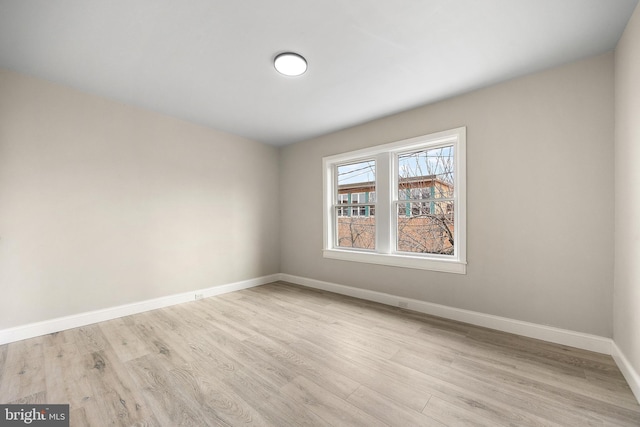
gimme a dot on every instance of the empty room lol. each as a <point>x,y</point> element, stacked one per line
<point>335,213</point>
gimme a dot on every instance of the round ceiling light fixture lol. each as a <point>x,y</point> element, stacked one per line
<point>290,64</point>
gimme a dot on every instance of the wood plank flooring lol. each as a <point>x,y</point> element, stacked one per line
<point>283,355</point>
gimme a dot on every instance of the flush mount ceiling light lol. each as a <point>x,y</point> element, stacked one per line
<point>290,64</point>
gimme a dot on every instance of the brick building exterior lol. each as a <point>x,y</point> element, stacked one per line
<point>425,219</point>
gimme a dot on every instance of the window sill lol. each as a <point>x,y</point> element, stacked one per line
<point>405,261</point>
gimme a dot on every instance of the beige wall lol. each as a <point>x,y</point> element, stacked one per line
<point>540,200</point>
<point>104,204</point>
<point>627,190</point>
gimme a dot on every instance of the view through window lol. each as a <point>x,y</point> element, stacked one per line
<point>425,206</point>
<point>401,204</point>
<point>356,205</point>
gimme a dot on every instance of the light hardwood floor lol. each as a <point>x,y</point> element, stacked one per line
<point>283,355</point>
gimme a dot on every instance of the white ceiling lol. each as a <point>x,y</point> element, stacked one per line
<point>210,61</point>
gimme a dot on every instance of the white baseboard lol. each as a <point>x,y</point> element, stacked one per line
<point>62,323</point>
<point>532,330</point>
<point>630,374</point>
<point>566,337</point>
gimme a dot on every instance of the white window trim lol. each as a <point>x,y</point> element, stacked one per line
<point>386,189</point>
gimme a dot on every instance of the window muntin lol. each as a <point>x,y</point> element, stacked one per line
<point>414,206</point>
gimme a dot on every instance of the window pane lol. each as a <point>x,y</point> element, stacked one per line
<point>357,231</point>
<point>357,179</point>
<point>356,224</point>
<point>426,174</point>
<point>426,227</point>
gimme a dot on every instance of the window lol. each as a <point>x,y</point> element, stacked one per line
<point>360,199</point>
<point>342,199</point>
<point>354,183</point>
<point>400,204</point>
<point>426,227</point>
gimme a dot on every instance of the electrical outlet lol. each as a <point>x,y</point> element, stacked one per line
<point>199,296</point>
<point>403,304</point>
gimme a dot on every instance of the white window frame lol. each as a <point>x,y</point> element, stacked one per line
<point>386,159</point>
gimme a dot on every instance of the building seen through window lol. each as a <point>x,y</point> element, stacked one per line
<point>423,226</point>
